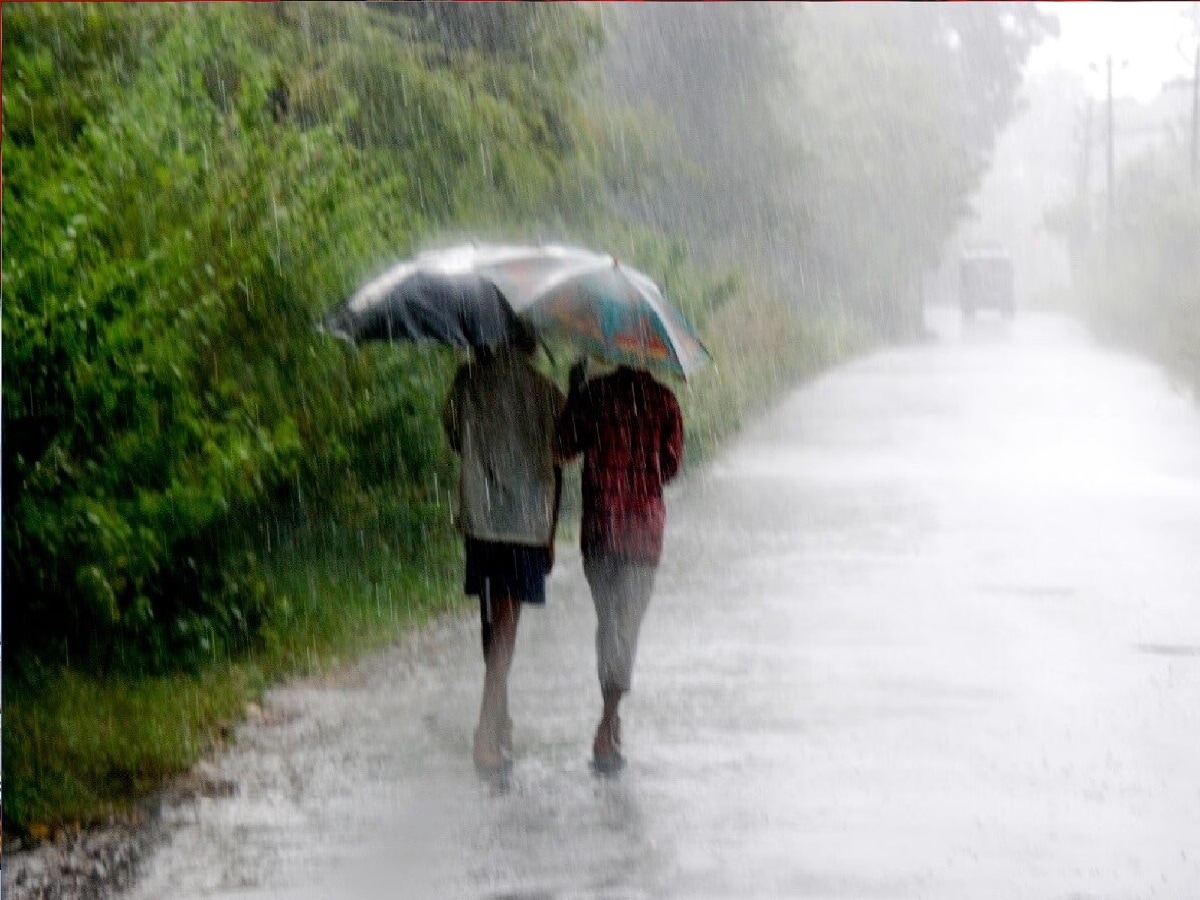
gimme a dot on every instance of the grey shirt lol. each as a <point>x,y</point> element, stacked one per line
<point>500,416</point>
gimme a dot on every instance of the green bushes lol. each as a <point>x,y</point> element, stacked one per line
<point>1139,284</point>
<point>173,227</point>
<point>150,321</point>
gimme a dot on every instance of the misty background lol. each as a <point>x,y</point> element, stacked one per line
<point>202,494</point>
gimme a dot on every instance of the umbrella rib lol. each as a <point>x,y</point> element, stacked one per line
<point>379,285</point>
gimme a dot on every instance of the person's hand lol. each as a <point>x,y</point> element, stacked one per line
<point>577,375</point>
<point>558,483</point>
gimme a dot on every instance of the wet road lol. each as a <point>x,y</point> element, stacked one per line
<point>930,629</point>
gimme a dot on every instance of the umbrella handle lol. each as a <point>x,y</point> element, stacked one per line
<point>577,375</point>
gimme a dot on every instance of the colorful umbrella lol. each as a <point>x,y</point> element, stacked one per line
<point>600,305</point>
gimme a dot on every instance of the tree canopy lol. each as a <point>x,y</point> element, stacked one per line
<point>839,144</point>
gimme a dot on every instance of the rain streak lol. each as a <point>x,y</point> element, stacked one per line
<point>601,450</point>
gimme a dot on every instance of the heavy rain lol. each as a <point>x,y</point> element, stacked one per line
<point>601,450</point>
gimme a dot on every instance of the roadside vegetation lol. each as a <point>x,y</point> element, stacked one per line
<point>201,493</point>
<point>1137,275</point>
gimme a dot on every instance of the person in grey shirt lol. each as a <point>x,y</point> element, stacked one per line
<point>500,418</point>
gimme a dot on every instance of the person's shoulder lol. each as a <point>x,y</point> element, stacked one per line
<point>605,388</point>
<point>651,379</point>
<point>538,380</point>
<point>650,383</point>
<point>662,393</point>
<point>610,380</point>
<point>548,387</point>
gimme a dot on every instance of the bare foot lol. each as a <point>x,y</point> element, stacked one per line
<point>489,754</point>
<point>506,735</point>
<point>608,738</point>
<point>606,749</point>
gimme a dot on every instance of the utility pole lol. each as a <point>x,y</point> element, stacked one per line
<point>1111,197</point>
<point>1085,167</point>
<point>1196,113</point>
<point>1079,225</point>
<point>1196,94</point>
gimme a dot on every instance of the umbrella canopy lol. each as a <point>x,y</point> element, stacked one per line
<point>414,302</point>
<point>477,295</point>
<point>606,308</point>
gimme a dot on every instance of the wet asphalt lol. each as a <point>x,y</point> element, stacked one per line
<point>929,629</point>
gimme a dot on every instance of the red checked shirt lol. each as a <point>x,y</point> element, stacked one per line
<point>630,431</point>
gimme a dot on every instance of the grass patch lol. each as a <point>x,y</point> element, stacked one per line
<point>79,750</point>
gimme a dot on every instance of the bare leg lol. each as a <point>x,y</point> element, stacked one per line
<point>621,595</point>
<point>493,708</point>
<point>608,732</point>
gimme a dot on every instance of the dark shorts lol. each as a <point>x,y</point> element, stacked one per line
<point>506,570</point>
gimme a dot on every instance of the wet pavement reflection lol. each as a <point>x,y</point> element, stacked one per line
<point>931,628</point>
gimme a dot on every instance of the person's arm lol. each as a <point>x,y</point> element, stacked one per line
<point>577,376</point>
<point>558,485</point>
<point>557,404</point>
<point>671,453</point>
<point>570,434</point>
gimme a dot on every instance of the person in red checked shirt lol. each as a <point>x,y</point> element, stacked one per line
<point>629,430</point>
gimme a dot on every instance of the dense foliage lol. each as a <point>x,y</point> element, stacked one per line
<point>838,144</point>
<point>185,189</point>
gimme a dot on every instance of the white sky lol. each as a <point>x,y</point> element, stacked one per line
<point>1156,39</point>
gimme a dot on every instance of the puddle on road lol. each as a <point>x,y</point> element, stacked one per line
<point>1184,650</point>
<point>1033,591</point>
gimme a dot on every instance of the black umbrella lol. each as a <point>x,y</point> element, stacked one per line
<point>410,303</point>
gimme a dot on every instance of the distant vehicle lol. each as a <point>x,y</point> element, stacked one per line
<point>986,282</point>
